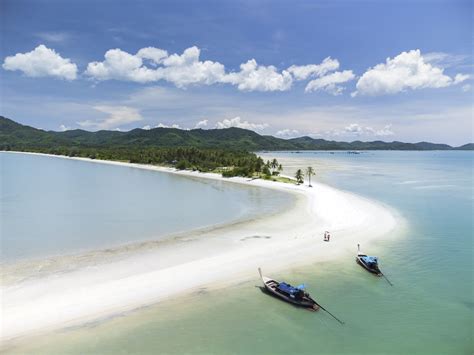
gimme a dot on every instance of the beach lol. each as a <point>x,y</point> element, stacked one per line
<point>145,274</point>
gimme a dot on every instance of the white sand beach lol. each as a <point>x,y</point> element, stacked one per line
<point>207,258</point>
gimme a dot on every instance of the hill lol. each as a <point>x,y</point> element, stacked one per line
<point>16,136</point>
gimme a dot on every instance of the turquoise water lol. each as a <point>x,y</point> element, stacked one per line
<point>429,310</point>
<point>52,206</point>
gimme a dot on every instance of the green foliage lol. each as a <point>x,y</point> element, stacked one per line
<point>182,165</point>
<point>15,136</point>
<point>266,170</point>
<point>310,172</point>
<point>299,176</point>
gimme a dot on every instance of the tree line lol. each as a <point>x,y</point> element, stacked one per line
<point>227,162</point>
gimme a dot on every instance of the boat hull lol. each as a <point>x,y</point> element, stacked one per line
<point>270,287</point>
<point>376,271</point>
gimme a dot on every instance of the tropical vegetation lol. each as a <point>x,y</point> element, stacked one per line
<point>310,172</point>
<point>299,176</point>
<point>15,136</point>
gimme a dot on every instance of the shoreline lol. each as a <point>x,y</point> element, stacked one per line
<point>146,276</point>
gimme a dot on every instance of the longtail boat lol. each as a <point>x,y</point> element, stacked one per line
<point>370,263</point>
<point>284,291</point>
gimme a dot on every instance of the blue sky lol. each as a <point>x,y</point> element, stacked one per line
<point>343,70</point>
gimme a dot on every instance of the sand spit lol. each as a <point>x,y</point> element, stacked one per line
<point>213,257</point>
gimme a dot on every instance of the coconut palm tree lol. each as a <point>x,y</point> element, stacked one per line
<point>309,172</point>
<point>299,176</point>
<point>274,164</point>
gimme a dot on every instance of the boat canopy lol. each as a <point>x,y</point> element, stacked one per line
<point>369,259</point>
<point>287,288</point>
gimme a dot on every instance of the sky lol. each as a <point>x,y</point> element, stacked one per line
<point>340,70</point>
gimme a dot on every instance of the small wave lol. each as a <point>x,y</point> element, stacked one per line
<point>434,187</point>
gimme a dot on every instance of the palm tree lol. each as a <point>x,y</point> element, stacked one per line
<point>309,172</point>
<point>274,164</point>
<point>299,176</point>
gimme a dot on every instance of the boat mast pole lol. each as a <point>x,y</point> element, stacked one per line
<point>260,272</point>
<point>324,309</point>
<point>385,277</point>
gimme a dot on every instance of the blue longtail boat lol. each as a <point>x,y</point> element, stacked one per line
<point>370,263</point>
<point>284,291</point>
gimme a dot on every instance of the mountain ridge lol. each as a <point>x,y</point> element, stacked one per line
<point>14,135</point>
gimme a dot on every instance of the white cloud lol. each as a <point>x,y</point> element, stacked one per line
<point>287,133</point>
<point>152,64</point>
<point>63,128</point>
<point>162,125</point>
<point>445,60</point>
<point>408,70</point>
<point>56,37</point>
<point>237,122</point>
<point>120,65</point>
<point>42,62</point>
<point>329,83</point>
<point>386,131</point>
<point>155,55</point>
<point>254,77</point>
<point>117,116</point>
<point>181,70</point>
<point>357,130</point>
<point>466,87</point>
<point>303,72</point>
<point>353,128</point>
<point>459,78</point>
<point>146,127</point>
<point>201,124</point>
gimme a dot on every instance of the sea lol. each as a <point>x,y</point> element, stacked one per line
<point>428,259</point>
<point>53,206</point>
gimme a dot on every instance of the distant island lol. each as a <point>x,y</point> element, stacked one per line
<point>226,151</point>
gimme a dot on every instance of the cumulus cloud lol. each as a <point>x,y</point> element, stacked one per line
<point>146,127</point>
<point>237,122</point>
<point>330,83</point>
<point>459,78</point>
<point>120,65</point>
<point>63,128</point>
<point>253,77</point>
<point>116,116</point>
<point>385,131</point>
<point>151,64</point>
<point>303,72</point>
<point>174,125</point>
<point>408,70</point>
<point>41,62</point>
<point>155,55</point>
<point>201,124</point>
<point>154,64</point>
<point>355,129</point>
<point>287,133</point>
<point>181,70</point>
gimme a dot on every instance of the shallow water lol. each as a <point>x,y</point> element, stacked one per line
<point>429,310</point>
<point>52,206</point>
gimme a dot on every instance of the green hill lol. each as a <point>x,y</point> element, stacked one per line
<point>16,136</point>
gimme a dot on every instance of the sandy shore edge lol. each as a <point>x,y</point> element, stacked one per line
<point>225,255</point>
